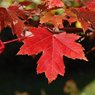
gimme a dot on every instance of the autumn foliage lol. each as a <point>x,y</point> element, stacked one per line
<point>42,29</point>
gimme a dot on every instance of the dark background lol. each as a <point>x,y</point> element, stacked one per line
<point>18,73</point>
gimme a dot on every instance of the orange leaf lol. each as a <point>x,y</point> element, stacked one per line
<point>56,20</point>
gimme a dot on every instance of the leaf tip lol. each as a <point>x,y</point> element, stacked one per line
<point>85,59</point>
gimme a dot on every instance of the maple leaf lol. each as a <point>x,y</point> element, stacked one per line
<point>9,18</point>
<point>56,20</point>
<point>84,18</point>
<point>53,46</point>
<point>53,3</point>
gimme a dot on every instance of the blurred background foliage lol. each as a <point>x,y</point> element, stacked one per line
<point>18,73</point>
<point>6,3</point>
<point>74,3</point>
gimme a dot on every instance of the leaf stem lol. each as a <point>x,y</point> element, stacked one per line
<point>17,39</point>
<point>10,41</point>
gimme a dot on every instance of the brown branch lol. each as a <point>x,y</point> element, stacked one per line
<point>73,30</point>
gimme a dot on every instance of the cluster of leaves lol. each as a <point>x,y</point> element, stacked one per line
<point>41,28</point>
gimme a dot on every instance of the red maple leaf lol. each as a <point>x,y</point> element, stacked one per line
<point>84,18</point>
<point>53,46</point>
<point>9,17</point>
